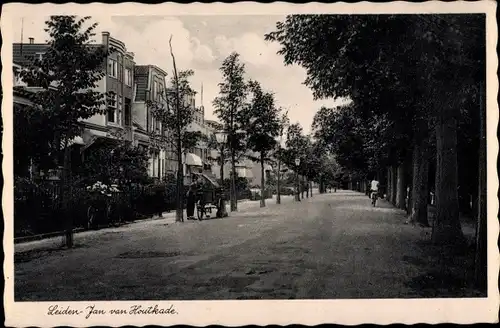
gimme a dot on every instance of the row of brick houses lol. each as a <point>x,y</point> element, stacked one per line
<point>129,86</point>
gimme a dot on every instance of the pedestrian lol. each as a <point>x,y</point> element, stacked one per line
<point>191,200</point>
<point>160,199</point>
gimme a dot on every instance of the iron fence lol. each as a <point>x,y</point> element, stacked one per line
<point>38,208</point>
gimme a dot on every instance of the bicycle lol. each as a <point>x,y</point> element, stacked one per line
<point>374,198</point>
<point>110,215</point>
<point>92,217</point>
<point>100,212</point>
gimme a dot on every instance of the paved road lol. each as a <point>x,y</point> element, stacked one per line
<point>329,246</point>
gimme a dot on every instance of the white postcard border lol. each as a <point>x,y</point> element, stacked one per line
<point>233,313</point>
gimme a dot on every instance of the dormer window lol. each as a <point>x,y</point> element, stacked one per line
<point>39,56</point>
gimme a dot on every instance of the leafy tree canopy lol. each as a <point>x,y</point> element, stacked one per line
<point>262,121</point>
<point>231,100</point>
<point>67,74</point>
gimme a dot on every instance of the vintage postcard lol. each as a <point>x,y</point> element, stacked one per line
<point>250,163</point>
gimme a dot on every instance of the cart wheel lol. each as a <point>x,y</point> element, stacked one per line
<point>201,211</point>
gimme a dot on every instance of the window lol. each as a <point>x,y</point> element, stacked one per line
<point>128,112</point>
<point>156,91</point>
<point>157,125</point>
<point>152,122</point>
<point>119,112</point>
<point>128,77</point>
<point>120,67</point>
<point>112,68</point>
<point>111,105</point>
<point>161,92</point>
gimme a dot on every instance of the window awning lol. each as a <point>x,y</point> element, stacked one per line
<point>244,173</point>
<point>77,141</point>
<point>193,160</point>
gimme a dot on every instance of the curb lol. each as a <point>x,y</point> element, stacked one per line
<point>27,239</point>
<point>20,240</point>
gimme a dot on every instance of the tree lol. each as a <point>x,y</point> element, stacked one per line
<point>283,124</point>
<point>67,76</point>
<point>222,156</point>
<point>33,140</point>
<point>175,114</point>
<point>296,144</point>
<point>122,163</point>
<point>262,123</point>
<point>228,107</point>
<point>416,75</point>
<point>344,133</point>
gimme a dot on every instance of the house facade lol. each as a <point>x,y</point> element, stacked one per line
<point>128,87</point>
<point>117,83</point>
<point>150,85</point>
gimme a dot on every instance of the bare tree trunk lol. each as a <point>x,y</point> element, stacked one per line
<point>389,183</point>
<point>262,183</point>
<point>278,184</point>
<point>179,204</point>
<point>447,228</point>
<point>297,192</point>
<point>179,212</point>
<point>420,191</point>
<point>66,195</point>
<point>394,186</point>
<point>401,189</point>
<point>481,258</point>
<point>301,184</point>
<point>234,203</point>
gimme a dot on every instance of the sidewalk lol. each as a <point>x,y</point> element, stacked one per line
<point>166,219</point>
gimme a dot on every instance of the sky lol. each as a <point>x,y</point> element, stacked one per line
<point>201,43</point>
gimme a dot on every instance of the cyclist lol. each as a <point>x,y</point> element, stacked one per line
<point>374,184</point>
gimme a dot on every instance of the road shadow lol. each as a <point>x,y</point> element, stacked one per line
<point>30,255</point>
<point>447,271</point>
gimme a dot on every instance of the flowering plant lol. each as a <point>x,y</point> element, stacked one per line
<point>102,188</point>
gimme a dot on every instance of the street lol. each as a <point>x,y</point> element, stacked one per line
<point>333,245</point>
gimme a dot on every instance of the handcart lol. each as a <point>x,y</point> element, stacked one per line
<point>210,197</point>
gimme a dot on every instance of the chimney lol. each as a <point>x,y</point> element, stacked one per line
<point>32,40</point>
<point>105,38</point>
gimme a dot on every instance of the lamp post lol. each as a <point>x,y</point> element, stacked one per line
<point>297,163</point>
<point>234,196</point>
<point>221,138</point>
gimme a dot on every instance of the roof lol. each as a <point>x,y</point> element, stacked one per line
<point>138,126</point>
<point>141,76</point>
<point>23,53</point>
